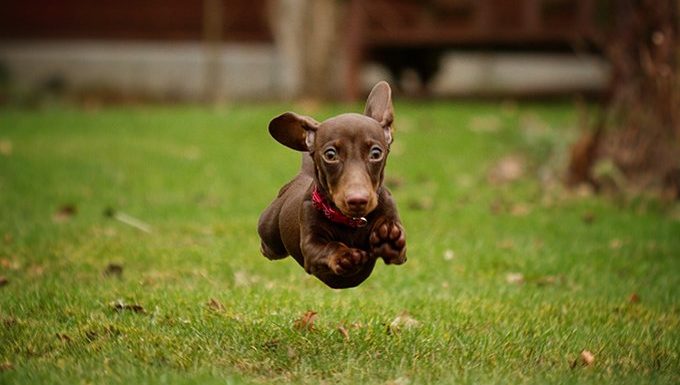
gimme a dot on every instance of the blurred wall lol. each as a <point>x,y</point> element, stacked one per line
<point>274,49</point>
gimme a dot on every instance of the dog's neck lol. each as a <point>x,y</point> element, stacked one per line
<point>332,213</point>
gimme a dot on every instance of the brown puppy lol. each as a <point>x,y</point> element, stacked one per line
<point>336,217</point>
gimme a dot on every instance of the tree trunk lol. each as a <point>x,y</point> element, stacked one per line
<point>640,127</point>
<point>306,34</point>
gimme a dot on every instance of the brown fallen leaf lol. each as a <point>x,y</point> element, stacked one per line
<point>634,298</point>
<point>507,169</point>
<point>588,217</point>
<point>63,337</point>
<point>114,270</point>
<point>306,322</point>
<point>403,321</point>
<point>5,366</point>
<point>586,358</point>
<point>64,213</point>
<point>345,333</point>
<point>3,281</point>
<point>119,306</point>
<point>8,322</point>
<point>215,305</point>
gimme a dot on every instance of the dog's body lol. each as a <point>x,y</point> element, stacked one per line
<point>336,217</point>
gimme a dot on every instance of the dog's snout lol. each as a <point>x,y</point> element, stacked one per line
<point>357,201</point>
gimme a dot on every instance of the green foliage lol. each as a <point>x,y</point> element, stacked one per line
<point>509,281</point>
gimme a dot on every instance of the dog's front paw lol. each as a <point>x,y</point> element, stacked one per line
<point>346,260</point>
<point>388,241</point>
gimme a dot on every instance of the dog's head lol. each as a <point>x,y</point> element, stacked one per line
<point>349,150</point>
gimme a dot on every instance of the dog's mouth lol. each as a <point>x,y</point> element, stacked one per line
<point>360,212</point>
<point>354,213</point>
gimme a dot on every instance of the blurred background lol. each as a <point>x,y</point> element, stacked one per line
<point>622,55</point>
<point>281,49</point>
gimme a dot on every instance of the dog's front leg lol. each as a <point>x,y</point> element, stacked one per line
<point>388,239</point>
<point>323,255</point>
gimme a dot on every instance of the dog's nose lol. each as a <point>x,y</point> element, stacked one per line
<point>357,201</point>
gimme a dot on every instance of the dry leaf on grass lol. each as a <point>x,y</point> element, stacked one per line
<point>64,213</point>
<point>5,366</point>
<point>306,322</point>
<point>119,306</point>
<point>586,358</point>
<point>514,278</point>
<point>507,169</point>
<point>345,333</point>
<point>634,298</point>
<point>63,337</point>
<point>403,321</point>
<point>114,270</point>
<point>215,305</point>
<point>3,281</point>
<point>588,217</point>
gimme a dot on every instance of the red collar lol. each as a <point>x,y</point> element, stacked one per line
<point>332,213</point>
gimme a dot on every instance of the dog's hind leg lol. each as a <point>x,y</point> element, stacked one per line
<point>271,245</point>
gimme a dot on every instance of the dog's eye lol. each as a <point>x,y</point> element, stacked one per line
<point>376,153</point>
<point>330,155</point>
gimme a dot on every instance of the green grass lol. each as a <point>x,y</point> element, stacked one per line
<point>200,177</point>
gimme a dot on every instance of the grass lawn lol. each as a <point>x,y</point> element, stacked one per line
<point>505,282</point>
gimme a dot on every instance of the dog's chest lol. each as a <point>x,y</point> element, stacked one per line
<point>352,237</point>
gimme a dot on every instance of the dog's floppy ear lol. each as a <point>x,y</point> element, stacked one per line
<point>379,107</point>
<point>294,131</point>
